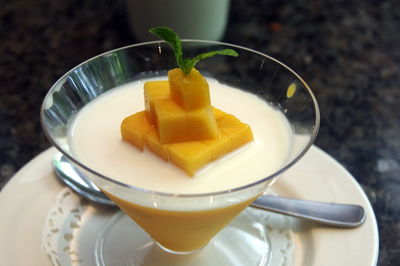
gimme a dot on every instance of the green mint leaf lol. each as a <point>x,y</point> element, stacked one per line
<point>189,63</point>
<point>173,40</point>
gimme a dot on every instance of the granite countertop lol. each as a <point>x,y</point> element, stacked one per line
<point>346,50</point>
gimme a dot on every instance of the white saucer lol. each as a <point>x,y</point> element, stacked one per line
<point>27,200</point>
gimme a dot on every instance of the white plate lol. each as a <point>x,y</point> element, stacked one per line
<point>26,200</point>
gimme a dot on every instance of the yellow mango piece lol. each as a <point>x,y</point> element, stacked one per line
<point>239,133</point>
<point>154,90</point>
<point>201,124</point>
<point>218,113</point>
<point>190,91</point>
<point>134,129</point>
<point>190,156</point>
<point>219,146</point>
<point>242,137</point>
<point>170,121</point>
<point>174,124</point>
<point>154,144</point>
<point>222,144</point>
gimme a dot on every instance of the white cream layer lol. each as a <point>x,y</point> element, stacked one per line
<point>95,139</point>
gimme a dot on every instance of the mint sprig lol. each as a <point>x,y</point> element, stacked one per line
<point>174,41</point>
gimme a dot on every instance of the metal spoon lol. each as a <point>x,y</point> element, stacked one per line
<point>333,214</point>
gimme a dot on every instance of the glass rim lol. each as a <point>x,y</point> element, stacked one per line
<point>186,195</point>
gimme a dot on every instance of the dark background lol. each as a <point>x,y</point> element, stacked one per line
<point>348,52</point>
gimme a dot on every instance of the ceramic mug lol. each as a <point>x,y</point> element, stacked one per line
<point>191,19</point>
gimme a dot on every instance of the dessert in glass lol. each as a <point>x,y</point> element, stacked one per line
<point>82,113</point>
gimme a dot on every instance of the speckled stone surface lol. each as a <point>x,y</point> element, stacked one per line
<point>348,51</point>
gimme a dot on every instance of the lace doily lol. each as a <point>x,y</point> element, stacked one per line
<point>72,220</point>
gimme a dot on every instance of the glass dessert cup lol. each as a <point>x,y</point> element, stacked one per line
<point>183,223</point>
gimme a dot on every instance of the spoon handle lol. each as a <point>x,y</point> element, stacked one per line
<point>333,214</point>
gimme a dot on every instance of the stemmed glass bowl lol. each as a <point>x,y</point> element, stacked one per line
<point>183,223</point>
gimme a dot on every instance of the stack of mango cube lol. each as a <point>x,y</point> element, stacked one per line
<point>180,125</point>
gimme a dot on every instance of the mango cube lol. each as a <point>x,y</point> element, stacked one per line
<point>174,124</point>
<point>154,144</point>
<point>134,129</point>
<point>201,124</point>
<point>218,113</point>
<point>238,132</point>
<point>219,146</point>
<point>189,91</point>
<point>190,156</point>
<point>154,90</point>
<point>170,121</point>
